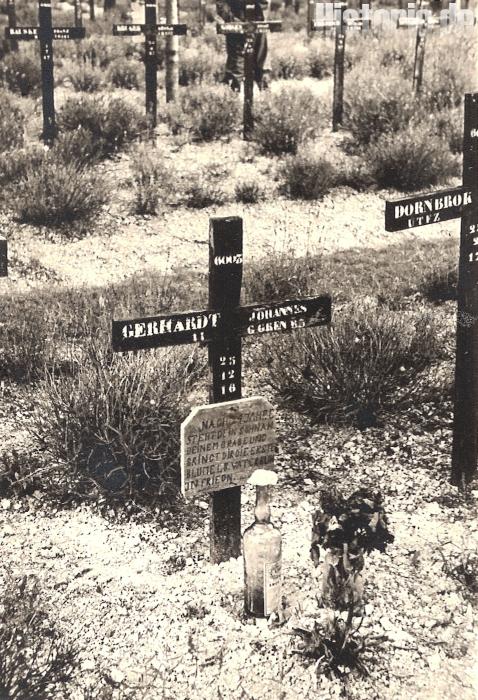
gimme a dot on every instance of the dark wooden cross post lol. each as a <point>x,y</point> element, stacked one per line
<point>202,14</point>
<point>151,31</point>
<point>422,24</point>
<point>249,29</point>
<point>337,21</point>
<point>3,257</point>
<point>46,33</point>
<point>434,208</point>
<point>221,327</point>
<point>78,17</point>
<point>92,10</point>
<point>12,22</point>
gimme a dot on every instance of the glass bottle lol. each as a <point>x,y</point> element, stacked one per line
<point>262,547</point>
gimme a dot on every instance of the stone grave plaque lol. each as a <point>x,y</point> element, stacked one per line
<point>223,443</point>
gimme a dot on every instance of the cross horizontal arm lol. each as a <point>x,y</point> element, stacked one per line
<point>31,33</point>
<point>159,29</point>
<point>207,326</point>
<point>248,27</point>
<point>431,208</point>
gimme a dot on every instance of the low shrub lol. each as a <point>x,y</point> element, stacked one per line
<point>448,124</point>
<point>368,362</point>
<point>283,275</point>
<point>126,73</point>
<point>14,165</point>
<point>84,78</point>
<point>115,423</point>
<point>410,160</point>
<point>20,72</point>
<point>439,284</point>
<point>76,146</point>
<point>103,51</point>
<point>249,192</point>
<point>286,119</point>
<point>321,59</point>
<point>205,113</point>
<point>200,65</point>
<point>53,193</point>
<point>290,61</point>
<point>201,192</point>
<point>113,123</point>
<point>152,180</point>
<point>12,123</point>
<point>383,106</point>
<point>34,661</point>
<point>307,177</point>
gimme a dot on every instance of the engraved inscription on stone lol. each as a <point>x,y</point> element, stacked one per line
<point>222,444</point>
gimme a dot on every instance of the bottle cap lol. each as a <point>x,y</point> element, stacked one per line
<point>263,477</point>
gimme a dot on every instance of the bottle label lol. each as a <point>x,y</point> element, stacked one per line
<point>272,587</point>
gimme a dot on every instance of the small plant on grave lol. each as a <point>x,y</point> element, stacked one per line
<point>440,283</point>
<point>410,160</point>
<point>282,275</point>
<point>286,119</point>
<point>113,123</point>
<point>307,177</point>
<point>462,566</point>
<point>248,192</point>
<point>12,124</point>
<point>343,531</point>
<point>336,646</point>
<point>34,661</point>
<point>205,113</point>
<point>55,193</point>
<point>200,65</point>
<point>289,60</point>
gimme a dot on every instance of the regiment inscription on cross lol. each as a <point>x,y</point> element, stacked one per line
<point>151,31</point>
<point>441,206</point>
<point>250,28</point>
<point>46,34</point>
<point>221,328</point>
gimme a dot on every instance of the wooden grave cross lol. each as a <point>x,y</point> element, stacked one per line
<point>460,202</point>
<point>221,327</point>
<point>12,22</point>
<point>151,30</point>
<point>341,25</point>
<point>202,14</point>
<point>422,23</point>
<point>3,257</point>
<point>46,34</point>
<point>250,28</point>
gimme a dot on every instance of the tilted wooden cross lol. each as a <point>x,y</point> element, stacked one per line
<point>341,25</point>
<point>46,34</point>
<point>250,28</point>
<point>221,327</point>
<point>442,206</point>
<point>3,257</point>
<point>151,31</point>
<point>422,23</point>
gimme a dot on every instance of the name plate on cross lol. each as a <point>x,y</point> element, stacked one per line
<point>223,443</point>
<point>433,208</point>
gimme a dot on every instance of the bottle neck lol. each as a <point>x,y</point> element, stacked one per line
<point>262,511</point>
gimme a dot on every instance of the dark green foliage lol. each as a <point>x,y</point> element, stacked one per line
<point>12,124</point>
<point>126,73</point>
<point>286,119</point>
<point>205,113</point>
<point>307,177</point>
<point>20,72</point>
<point>249,192</point>
<point>34,662</point>
<point>335,646</point>
<point>52,193</point>
<point>115,421</point>
<point>113,123</point>
<point>410,160</point>
<point>367,363</point>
